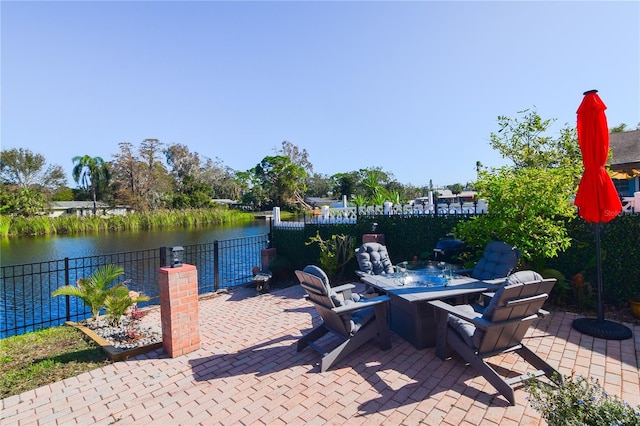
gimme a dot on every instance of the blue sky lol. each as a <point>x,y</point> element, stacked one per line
<point>412,87</point>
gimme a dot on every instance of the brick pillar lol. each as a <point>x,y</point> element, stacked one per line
<point>179,309</point>
<point>267,256</point>
<point>373,238</point>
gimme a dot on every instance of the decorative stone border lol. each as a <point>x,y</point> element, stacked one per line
<point>114,354</point>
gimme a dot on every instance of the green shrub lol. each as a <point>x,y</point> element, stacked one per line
<point>576,401</point>
<point>335,252</point>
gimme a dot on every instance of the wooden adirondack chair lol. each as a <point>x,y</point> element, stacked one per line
<point>477,332</point>
<point>354,319</point>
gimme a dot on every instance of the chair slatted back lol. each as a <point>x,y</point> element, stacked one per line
<point>517,307</point>
<point>324,304</point>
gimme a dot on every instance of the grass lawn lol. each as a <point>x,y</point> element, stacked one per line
<point>38,358</point>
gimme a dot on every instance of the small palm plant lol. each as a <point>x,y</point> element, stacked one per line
<point>97,295</point>
<point>119,300</point>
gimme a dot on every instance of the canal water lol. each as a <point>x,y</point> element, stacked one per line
<point>25,291</point>
<point>22,250</point>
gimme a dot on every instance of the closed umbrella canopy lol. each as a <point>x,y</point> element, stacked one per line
<point>597,201</point>
<point>597,198</point>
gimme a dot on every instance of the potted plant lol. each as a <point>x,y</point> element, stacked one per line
<point>634,303</point>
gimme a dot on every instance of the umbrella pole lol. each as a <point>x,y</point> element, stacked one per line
<point>599,327</point>
<point>599,272</point>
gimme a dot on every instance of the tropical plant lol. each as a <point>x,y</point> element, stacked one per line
<point>91,173</point>
<point>95,290</point>
<point>528,208</point>
<point>335,252</point>
<point>120,300</point>
<point>360,200</point>
<point>26,202</point>
<point>576,401</point>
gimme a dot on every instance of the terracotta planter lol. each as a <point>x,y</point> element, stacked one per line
<point>634,302</point>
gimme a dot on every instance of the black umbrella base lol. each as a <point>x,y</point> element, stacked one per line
<point>602,328</point>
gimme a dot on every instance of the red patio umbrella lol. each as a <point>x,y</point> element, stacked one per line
<point>597,200</point>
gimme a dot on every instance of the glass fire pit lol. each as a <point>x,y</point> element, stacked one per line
<point>427,273</point>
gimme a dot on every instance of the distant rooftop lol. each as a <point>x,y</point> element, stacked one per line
<point>625,148</point>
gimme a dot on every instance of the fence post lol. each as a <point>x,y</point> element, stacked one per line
<point>216,266</point>
<point>67,298</point>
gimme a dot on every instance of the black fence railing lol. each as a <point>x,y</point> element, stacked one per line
<point>26,303</point>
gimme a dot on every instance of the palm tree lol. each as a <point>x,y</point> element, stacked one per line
<point>371,183</point>
<point>93,291</point>
<point>89,172</point>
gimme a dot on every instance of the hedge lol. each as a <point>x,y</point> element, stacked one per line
<point>416,236</point>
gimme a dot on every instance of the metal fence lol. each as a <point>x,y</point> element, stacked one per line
<point>26,303</point>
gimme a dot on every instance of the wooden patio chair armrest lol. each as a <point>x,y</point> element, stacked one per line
<point>343,287</point>
<point>542,313</point>
<point>356,306</point>
<point>451,309</point>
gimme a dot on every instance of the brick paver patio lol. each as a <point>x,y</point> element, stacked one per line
<point>247,372</point>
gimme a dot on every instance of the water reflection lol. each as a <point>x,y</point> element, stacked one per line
<point>14,251</point>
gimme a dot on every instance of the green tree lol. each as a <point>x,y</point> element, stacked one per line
<point>127,175</point>
<point>191,189</point>
<point>456,188</point>
<point>278,181</point>
<point>528,208</point>
<point>298,157</point>
<point>530,201</point>
<point>319,185</point>
<point>91,173</point>
<point>344,183</point>
<point>26,169</point>
<point>618,129</point>
<point>525,142</point>
<point>28,183</point>
<point>335,252</point>
<point>223,180</point>
<point>155,182</point>
<point>22,201</point>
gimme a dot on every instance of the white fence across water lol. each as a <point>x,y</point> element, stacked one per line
<point>349,215</point>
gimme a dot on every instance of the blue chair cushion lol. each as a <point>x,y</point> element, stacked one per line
<point>360,318</point>
<point>498,260</point>
<point>373,259</point>
<point>337,300</point>
<point>465,329</point>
